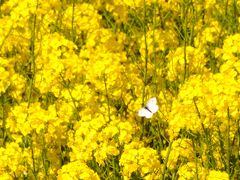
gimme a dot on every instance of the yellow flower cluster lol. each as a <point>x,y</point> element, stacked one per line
<point>13,161</point>
<point>181,148</point>
<point>86,18</point>
<point>195,61</point>
<point>77,170</point>
<point>138,158</point>
<point>74,74</point>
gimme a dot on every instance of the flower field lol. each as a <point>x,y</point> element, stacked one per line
<point>75,73</point>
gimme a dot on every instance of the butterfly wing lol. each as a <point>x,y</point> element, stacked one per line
<point>152,105</point>
<point>143,112</point>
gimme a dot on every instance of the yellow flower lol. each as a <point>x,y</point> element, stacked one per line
<point>24,119</point>
<point>4,82</point>
<point>13,160</point>
<point>207,34</point>
<point>195,62</point>
<point>104,150</point>
<point>138,158</point>
<point>157,41</point>
<point>126,131</point>
<point>181,148</point>
<point>216,175</point>
<point>18,83</point>
<point>191,170</point>
<point>86,17</point>
<point>76,170</point>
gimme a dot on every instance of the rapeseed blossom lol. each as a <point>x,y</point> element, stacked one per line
<point>191,170</point>
<point>86,18</point>
<point>76,170</point>
<point>138,158</point>
<point>181,148</point>
<point>74,74</point>
<point>13,161</point>
<point>217,175</point>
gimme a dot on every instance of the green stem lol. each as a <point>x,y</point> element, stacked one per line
<point>73,11</point>
<point>166,160</point>
<point>195,158</point>
<point>185,9</point>
<point>228,142</point>
<point>108,101</point>
<point>146,65</point>
<point>70,93</point>
<point>32,58</point>
<point>154,49</point>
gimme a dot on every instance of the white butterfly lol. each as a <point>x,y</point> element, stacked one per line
<point>150,108</point>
